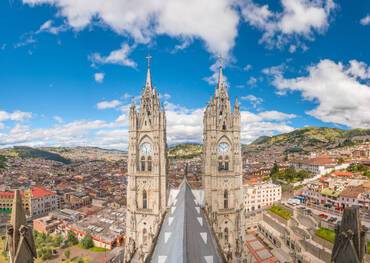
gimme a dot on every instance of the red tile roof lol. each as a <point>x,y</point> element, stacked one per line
<point>352,191</point>
<point>8,194</point>
<point>342,174</point>
<point>41,192</point>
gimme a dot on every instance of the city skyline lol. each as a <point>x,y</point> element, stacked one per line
<point>70,72</point>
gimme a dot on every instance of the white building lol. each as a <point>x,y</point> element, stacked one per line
<point>260,195</point>
<point>319,165</point>
<point>42,201</point>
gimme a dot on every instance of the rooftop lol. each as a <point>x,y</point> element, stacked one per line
<point>185,235</point>
<point>41,192</point>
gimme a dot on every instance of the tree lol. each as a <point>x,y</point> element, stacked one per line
<point>275,169</point>
<point>2,162</point>
<point>58,239</point>
<point>87,242</point>
<point>45,253</point>
<point>67,253</point>
<point>71,238</point>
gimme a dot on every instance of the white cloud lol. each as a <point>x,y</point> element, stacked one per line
<point>119,57</point>
<point>298,19</point>
<point>50,28</point>
<point>341,92</point>
<point>247,67</point>
<point>214,22</point>
<point>252,81</point>
<point>103,105</point>
<point>25,40</point>
<point>15,116</point>
<point>69,134</point>
<point>58,119</point>
<point>2,126</point>
<point>183,125</point>
<point>365,20</point>
<point>276,115</point>
<point>255,101</point>
<point>165,96</point>
<point>254,126</point>
<point>99,77</point>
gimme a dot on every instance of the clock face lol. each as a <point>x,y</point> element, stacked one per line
<point>223,148</point>
<point>146,148</point>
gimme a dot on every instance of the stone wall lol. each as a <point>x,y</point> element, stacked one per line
<point>314,250</point>
<point>323,242</point>
<point>278,227</point>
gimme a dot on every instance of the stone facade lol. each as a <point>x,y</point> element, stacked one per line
<point>222,168</point>
<point>147,172</point>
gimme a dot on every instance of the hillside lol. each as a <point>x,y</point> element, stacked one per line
<point>88,153</point>
<point>185,151</point>
<point>2,162</point>
<point>29,152</point>
<point>309,139</point>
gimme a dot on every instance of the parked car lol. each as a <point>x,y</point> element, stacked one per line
<point>323,216</point>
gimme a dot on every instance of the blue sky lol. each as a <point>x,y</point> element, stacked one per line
<point>69,69</point>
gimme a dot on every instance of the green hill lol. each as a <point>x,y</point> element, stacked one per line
<point>185,151</point>
<point>29,152</point>
<point>314,137</point>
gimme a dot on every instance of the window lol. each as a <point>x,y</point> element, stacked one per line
<point>226,166</point>
<point>142,163</point>
<point>223,163</point>
<point>224,126</point>
<point>145,200</point>
<point>226,234</point>
<point>220,164</point>
<point>149,163</point>
<point>226,199</point>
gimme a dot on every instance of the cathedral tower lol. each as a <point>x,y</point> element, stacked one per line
<point>147,171</point>
<point>222,168</point>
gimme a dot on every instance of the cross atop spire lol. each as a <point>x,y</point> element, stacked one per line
<point>148,82</point>
<point>149,58</point>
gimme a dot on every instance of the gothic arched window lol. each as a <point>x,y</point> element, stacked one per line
<point>145,200</point>
<point>220,164</point>
<point>149,163</point>
<point>142,162</point>
<point>226,165</point>
<point>224,126</point>
<point>226,199</point>
<point>226,234</point>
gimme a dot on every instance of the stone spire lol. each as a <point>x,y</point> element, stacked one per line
<point>220,77</point>
<point>148,83</point>
<point>350,238</point>
<point>236,105</point>
<point>20,244</point>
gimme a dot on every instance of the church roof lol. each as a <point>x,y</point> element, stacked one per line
<point>185,235</point>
